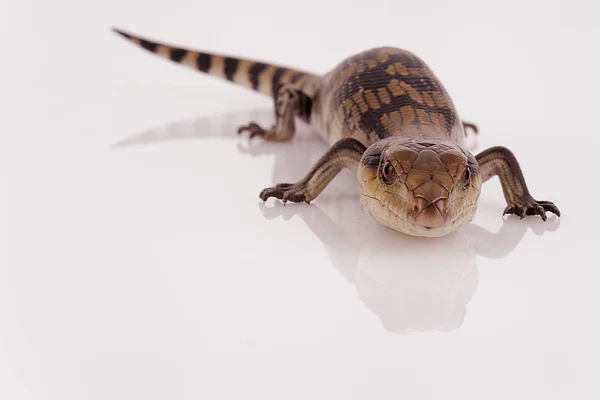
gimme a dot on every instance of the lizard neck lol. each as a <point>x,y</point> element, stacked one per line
<point>429,131</point>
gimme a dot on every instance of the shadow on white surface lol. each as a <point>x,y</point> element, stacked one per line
<point>411,284</point>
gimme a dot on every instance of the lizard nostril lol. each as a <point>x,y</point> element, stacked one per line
<point>419,205</point>
<point>442,206</point>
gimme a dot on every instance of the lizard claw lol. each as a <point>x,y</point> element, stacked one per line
<point>532,207</point>
<point>294,192</point>
<point>254,129</point>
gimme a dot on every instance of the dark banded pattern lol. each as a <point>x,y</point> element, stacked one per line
<point>231,66</point>
<point>177,55</point>
<point>259,76</point>
<point>203,63</point>
<point>150,46</point>
<point>276,80</point>
<point>255,71</point>
<point>387,91</point>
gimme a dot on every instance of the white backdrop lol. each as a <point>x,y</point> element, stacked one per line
<point>138,262</point>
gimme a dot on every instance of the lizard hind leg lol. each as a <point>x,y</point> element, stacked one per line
<point>470,126</point>
<point>290,102</point>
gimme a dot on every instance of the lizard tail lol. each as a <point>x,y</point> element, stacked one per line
<point>259,76</point>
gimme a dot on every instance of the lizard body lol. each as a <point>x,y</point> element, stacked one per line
<point>387,118</point>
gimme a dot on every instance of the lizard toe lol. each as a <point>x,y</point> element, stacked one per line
<point>294,192</point>
<point>532,208</point>
<point>253,129</point>
<point>550,207</point>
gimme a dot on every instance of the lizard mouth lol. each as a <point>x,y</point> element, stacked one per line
<point>394,214</point>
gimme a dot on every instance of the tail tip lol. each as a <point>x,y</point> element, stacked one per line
<point>120,32</point>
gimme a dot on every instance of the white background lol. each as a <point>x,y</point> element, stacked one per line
<point>139,263</point>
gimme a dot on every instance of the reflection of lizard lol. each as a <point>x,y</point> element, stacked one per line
<point>410,284</point>
<point>388,119</point>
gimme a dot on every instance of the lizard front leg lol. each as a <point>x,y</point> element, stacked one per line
<point>345,153</point>
<point>502,162</point>
<point>289,103</point>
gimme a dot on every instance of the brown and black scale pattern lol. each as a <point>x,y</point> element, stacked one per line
<point>387,91</point>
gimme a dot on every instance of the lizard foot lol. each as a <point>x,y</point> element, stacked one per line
<point>255,130</point>
<point>532,207</point>
<point>294,192</point>
<point>471,126</point>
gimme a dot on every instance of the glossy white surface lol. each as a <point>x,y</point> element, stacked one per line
<point>139,263</point>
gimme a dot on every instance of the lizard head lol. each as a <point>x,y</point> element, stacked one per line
<point>421,187</point>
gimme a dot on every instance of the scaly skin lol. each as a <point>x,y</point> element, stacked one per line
<point>388,119</point>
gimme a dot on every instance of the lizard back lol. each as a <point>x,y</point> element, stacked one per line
<point>386,92</point>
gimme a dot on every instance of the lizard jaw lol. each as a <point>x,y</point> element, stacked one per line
<point>391,215</point>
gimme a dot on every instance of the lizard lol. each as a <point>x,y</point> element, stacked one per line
<point>388,119</point>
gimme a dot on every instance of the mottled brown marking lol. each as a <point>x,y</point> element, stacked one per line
<point>423,116</point>
<point>438,121</point>
<point>441,120</point>
<point>400,68</point>
<point>352,109</point>
<point>418,72</point>
<point>396,118</point>
<point>428,99</point>
<point>372,100</point>
<point>394,80</point>
<point>385,121</point>
<point>348,72</point>
<point>360,101</point>
<point>382,56</point>
<point>384,95</point>
<point>440,99</point>
<point>395,88</point>
<point>408,114</point>
<point>412,92</point>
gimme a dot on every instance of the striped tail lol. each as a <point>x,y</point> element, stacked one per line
<point>259,76</point>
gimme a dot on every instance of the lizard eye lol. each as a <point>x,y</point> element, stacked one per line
<point>466,178</point>
<point>387,172</point>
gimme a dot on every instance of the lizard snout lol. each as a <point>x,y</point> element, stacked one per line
<point>430,214</point>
